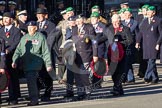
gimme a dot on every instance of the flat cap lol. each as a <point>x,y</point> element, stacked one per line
<point>23,12</point>
<point>32,23</point>
<point>69,9</point>
<point>2,3</point>
<point>12,3</point>
<point>8,14</point>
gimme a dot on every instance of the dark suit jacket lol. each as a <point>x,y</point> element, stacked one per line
<point>13,40</point>
<point>99,33</point>
<point>85,50</point>
<point>150,34</point>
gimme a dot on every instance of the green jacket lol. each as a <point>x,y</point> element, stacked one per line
<point>33,52</point>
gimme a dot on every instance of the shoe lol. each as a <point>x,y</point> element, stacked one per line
<point>83,97</point>
<point>147,80</point>
<point>69,96</point>
<point>117,93</point>
<point>13,102</point>
<point>131,82</point>
<point>154,82</point>
<point>45,99</point>
<point>32,103</point>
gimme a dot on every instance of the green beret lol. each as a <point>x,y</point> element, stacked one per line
<point>145,6</point>
<point>95,14</point>
<point>151,8</point>
<point>95,7</point>
<point>121,11</point>
<point>69,9</point>
<point>128,9</point>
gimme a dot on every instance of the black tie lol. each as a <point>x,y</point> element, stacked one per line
<point>40,25</point>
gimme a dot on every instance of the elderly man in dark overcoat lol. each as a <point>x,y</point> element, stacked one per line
<point>150,32</point>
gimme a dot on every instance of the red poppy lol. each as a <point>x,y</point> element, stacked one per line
<point>7,34</point>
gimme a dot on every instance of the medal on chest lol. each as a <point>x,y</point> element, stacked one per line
<point>35,42</point>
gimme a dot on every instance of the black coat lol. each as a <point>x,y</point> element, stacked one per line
<point>13,40</point>
<point>150,34</point>
<point>48,31</point>
<point>86,46</point>
<point>3,57</point>
<point>99,34</point>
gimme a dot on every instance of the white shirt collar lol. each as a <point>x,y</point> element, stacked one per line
<point>8,27</point>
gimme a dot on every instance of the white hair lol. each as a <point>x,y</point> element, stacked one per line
<point>115,17</point>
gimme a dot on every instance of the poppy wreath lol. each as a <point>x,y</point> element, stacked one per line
<point>118,54</point>
<point>99,73</point>
<point>7,34</point>
<point>4,81</point>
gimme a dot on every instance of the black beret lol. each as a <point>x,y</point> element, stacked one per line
<point>72,18</point>
<point>80,16</point>
<point>32,23</point>
<point>8,14</point>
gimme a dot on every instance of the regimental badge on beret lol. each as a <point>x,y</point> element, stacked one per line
<point>95,7</point>
<point>145,6</point>
<point>2,3</point>
<point>32,23</point>
<point>151,8</point>
<point>24,12</point>
<point>69,9</point>
<point>12,3</point>
<point>79,16</point>
<point>72,18</point>
<point>95,14</point>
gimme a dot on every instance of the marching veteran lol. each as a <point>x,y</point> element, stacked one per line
<point>33,51</point>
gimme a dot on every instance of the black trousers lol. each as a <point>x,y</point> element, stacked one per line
<point>118,76</point>
<point>45,81</point>
<point>70,82</point>
<point>14,86</point>
<point>142,64</point>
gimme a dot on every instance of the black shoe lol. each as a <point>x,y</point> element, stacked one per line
<point>117,93</point>
<point>32,103</point>
<point>45,99</point>
<point>147,80</point>
<point>154,82</point>
<point>69,96</point>
<point>13,102</point>
<point>83,97</point>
